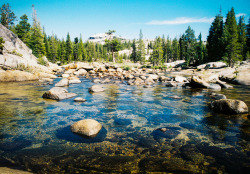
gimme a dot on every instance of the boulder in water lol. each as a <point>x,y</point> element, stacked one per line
<point>87,127</point>
<point>96,88</point>
<point>58,93</point>
<point>63,82</point>
<point>229,106</point>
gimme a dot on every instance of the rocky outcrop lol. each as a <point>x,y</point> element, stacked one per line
<point>16,76</point>
<point>229,106</point>
<point>212,65</point>
<point>58,93</point>
<point>87,127</point>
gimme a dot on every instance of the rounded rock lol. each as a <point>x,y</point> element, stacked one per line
<point>87,127</point>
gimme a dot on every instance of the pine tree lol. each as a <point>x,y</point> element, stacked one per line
<point>168,50</point>
<point>199,51</point>
<point>75,49</point>
<point>69,49</point>
<point>47,46</point>
<point>1,45</point>
<point>7,16</point>
<point>63,57</point>
<point>134,56</point>
<point>91,52</point>
<point>242,38</point>
<point>80,49</point>
<point>182,47</point>
<point>248,39</point>
<point>189,42</point>
<point>157,55</point>
<point>232,52</point>
<point>53,49</point>
<point>36,39</point>
<point>215,46</point>
<point>22,29</point>
<point>176,51</point>
<point>141,48</point>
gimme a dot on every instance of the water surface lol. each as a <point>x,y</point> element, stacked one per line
<point>35,132</point>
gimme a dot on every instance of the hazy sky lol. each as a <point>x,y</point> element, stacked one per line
<point>127,17</point>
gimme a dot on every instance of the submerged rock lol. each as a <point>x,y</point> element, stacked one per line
<point>96,88</point>
<point>87,127</point>
<point>58,93</point>
<point>229,106</point>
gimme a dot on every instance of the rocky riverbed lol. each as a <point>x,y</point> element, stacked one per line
<point>146,127</point>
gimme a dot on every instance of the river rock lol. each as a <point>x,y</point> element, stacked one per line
<point>81,72</point>
<point>223,84</point>
<point>229,106</point>
<point>198,82</point>
<point>58,93</point>
<point>181,79</point>
<point>87,127</point>
<point>217,96</point>
<point>63,82</point>
<point>212,65</point>
<point>171,84</point>
<point>138,81</point>
<point>79,99</point>
<point>74,81</point>
<point>96,88</point>
<point>65,75</point>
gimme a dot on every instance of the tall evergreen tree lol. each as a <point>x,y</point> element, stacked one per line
<point>47,46</point>
<point>141,48</point>
<point>248,39</point>
<point>157,56</point>
<point>134,56</point>
<point>80,49</point>
<point>190,42</point>
<point>215,46</point>
<point>22,29</point>
<point>69,48</point>
<point>182,47</point>
<point>176,51</point>
<point>232,51</point>
<point>36,39</point>
<point>7,15</point>
<point>168,46</point>
<point>199,51</point>
<point>75,49</point>
<point>53,49</point>
<point>242,38</point>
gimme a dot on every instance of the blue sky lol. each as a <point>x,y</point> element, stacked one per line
<point>127,17</point>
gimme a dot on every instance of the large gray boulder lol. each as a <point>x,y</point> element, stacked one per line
<point>229,106</point>
<point>58,93</point>
<point>87,127</point>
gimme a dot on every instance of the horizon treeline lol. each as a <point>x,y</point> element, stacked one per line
<point>227,41</point>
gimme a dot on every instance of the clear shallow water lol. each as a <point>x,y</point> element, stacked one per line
<point>35,133</point>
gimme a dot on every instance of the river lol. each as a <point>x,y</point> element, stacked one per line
<point>35,132</point>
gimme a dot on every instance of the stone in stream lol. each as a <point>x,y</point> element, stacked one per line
<point>229,106</point>
<point>63,82</point>
<point>87,127</point>
<point>58,93</point>
<point>79,99</point>
<point>96,88</point>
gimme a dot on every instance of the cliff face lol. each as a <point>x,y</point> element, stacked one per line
<point>15,52</point>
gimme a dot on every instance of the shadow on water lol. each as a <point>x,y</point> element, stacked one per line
<point>66,134</point>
